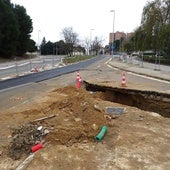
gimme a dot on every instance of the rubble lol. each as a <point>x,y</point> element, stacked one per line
<point>24,138</point>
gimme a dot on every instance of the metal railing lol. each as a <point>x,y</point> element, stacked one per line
<point>18,68</point>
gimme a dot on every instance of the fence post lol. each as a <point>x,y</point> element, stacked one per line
<point>30,64</point>
<point>53,61</point>
<point>43,62</point>
<point>16,67</point>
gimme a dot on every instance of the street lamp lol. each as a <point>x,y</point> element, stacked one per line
<point>39,42</point>
<point>113,31</point>
<point>91,47</point>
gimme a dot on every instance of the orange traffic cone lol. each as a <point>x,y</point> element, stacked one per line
<point>78,85</point>
<point>123,80</point>
<point>78,76</point>
<point>36,70</point>
<point>78,80</point>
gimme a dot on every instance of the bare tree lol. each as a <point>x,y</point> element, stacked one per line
<point>97,45</point>
<point>71,39</point>
<point>86,44</point>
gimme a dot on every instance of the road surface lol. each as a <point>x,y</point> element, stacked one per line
<point>45,75</point>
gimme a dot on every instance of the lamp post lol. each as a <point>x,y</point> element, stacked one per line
<point>113,30</point>
<point>91,46</point>
<point>39,42</point>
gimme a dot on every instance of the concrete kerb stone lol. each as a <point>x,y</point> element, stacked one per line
<point>136,72</point>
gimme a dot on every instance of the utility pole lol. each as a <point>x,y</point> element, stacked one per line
<point>113,31</point>
<point>38,46</point>
<point>91,46</point>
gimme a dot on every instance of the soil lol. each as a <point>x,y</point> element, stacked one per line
<point>66,122</point>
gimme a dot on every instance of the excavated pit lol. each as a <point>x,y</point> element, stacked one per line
<point>146,100</point>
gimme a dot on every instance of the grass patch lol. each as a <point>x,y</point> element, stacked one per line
<point>74,59</point>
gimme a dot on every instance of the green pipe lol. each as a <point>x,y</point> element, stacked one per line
<point>101,133</point>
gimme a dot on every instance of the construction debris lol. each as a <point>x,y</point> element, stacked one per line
<point>24,138</point>
<point>26,162</point>
<point>114,110</point>
<point>43,118</point>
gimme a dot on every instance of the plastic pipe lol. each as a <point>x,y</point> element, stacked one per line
<point>36,147</point>
<point>101,133</point>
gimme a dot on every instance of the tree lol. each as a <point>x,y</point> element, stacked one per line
<point>42,46</point>
<point>25,28</point>
<point>86,44</point>
<point>165,43</point>
<point>31,46</point>
<point>71,39</point>
<point>97,44</point>
<point>15,29</point>
<point>9,31</point>
<point>155,25</point>
<point>127,47</point>
<point>107,49</point>
<point>79,49</point>
<point>49,48</point>
<point>61,47</point>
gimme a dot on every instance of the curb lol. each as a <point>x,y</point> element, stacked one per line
<point>160,78</point>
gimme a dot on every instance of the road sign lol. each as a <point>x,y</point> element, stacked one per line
<point>112,47</point>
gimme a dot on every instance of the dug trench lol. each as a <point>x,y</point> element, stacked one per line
<point>145,100</point>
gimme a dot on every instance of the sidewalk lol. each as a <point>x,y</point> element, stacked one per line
<point>146,69</point>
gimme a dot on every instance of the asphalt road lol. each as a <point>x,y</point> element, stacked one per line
<point>45,75</point>
<point>97,70</point>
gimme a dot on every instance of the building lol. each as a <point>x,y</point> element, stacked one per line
<point>118,35</point>
<point>129,36</point>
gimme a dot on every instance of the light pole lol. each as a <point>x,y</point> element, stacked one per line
<point>113,30</point>
<point>91,46</point>
<point>39,42</point>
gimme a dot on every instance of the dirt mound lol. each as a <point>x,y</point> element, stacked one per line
<point>77,119</point>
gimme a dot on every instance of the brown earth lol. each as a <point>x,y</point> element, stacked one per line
<point>136,139</point>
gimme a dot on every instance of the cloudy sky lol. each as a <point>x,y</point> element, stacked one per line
<point>88,18</point>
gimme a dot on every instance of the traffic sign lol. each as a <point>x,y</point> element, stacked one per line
<point>112,47</point>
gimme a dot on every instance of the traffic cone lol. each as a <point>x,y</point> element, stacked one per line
<point>78,85</point>
<point>123,80</point>
<point>78,80</point>
<point>36,70</point>
<point>78,76</point>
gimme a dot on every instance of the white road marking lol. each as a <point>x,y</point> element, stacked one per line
<point>5,78</point>
<point>112,67</point>
<point>108,61</point>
